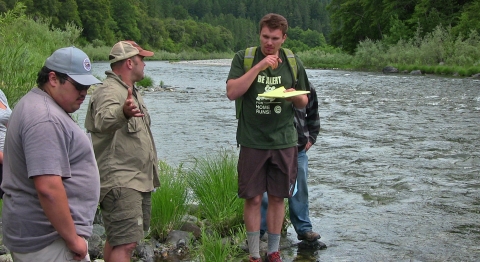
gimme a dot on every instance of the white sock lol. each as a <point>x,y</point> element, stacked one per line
<point>253,239</point>
<point>273,243</point>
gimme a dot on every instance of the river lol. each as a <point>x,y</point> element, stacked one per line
<point>394,175</point>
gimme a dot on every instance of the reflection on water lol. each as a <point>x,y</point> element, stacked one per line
<point>394,175</point>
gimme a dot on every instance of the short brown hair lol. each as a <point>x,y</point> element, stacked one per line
<point>274,21</point>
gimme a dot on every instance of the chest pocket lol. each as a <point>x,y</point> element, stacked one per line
<point>136,124</point>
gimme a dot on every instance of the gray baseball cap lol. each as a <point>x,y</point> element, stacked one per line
<point>73,62</point>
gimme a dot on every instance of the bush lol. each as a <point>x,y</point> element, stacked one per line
<point>437,52</point>
<point>325,58</point>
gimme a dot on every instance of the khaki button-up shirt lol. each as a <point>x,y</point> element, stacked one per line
<point>124,148</point>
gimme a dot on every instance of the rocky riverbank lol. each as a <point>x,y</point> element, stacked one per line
<point>176,247</point>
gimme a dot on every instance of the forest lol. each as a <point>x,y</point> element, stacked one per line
<point>226,25</point>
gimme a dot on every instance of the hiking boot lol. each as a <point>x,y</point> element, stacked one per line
<point>274,257</point>
<point>308,236</point>
<point>252,259</point>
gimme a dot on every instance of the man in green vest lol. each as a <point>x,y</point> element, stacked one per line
<point>266,132</point>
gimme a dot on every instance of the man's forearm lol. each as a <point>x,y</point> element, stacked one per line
<point>53,199</point>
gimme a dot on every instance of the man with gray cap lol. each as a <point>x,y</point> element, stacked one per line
<point>51,180</point>
<point>119,123</point>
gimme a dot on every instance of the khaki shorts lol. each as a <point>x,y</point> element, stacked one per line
<point>55,252</point>
<point>270,170</point>
<point>126,215</point>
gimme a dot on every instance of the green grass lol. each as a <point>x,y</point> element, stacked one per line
<point>212,184</point>
<point>213,181</point>
<point>215,248</point>
<point>147,81</point>
<point>169,201</point>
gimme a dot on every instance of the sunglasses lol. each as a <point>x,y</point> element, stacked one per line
<point>78,86</point>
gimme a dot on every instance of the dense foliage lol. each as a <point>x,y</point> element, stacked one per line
<point>225,25</point>
<point>354,21</point>
<point>25,45</point>
<point>177,25</point>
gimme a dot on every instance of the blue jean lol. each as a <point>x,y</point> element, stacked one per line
<point>297,204</point>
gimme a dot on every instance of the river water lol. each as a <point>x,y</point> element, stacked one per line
<point>394,175</point>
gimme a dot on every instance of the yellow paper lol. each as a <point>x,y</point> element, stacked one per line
<point>279,93</point>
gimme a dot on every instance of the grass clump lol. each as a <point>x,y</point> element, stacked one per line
<point>215,248</point>
<point>145,82</point>
<point>169,201</point>
<point>213,181</point>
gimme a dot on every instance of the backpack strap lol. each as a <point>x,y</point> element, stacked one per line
<point>293,64</point>
<point>249,56</point>
<point>247,65</point>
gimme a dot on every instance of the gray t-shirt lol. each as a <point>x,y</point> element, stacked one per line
<point>4,116</point>
<point>43,139</point>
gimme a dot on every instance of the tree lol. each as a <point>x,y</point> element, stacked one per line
<point>180,13</point>
<point>69,14</point>
<point>96,20</point>
<point>3,7</point>
<point>349,23</point>
<point>469,19</point>
<point>125,15</point>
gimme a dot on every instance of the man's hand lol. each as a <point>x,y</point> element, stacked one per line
<point>129,107</point>
<point>308,145</point>
<point>79,248</point>
<point>270,61</point>
<point>299,101</point>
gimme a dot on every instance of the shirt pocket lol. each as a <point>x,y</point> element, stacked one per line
<point>135,124</point>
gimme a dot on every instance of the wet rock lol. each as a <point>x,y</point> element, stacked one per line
<point>178,238</point>
<point>416,72</point>
<point>99,230</point>
<point>145,251</point>
<point>6,258</point>
<point>317,245</point>
<point>389,70</point>
<point>192,228</point>
<point>3,250</point>
<point>477,76</point>
<point>95,246</point>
